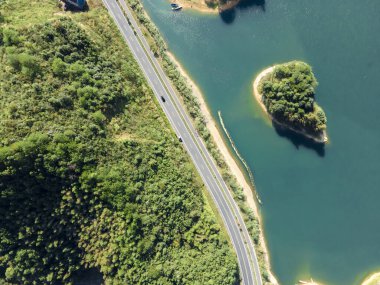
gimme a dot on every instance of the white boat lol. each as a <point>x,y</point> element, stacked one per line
<point>175,7</point>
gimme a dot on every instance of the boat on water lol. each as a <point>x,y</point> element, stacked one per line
<point>175,7</point>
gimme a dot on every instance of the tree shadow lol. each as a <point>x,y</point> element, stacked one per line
<point>90,276</point>
<point>244,4</point>
<point>228,16</point>
<point>300,140</point>
<point>74,9</point>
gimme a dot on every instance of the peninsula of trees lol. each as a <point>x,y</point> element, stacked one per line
<point>210,6</point>
<point>287,92</point>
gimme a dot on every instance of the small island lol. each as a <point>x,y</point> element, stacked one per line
<point>286,92</point>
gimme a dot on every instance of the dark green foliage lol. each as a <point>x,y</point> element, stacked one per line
<point>90,174</point>
<point>40,230</point>
<point>288,94</point>
<point>24,63</point>
<point>59,67</point>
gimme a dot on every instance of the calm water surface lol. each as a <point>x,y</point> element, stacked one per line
<point>321,206</point>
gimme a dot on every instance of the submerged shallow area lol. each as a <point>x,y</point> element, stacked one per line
<point>320,208</point>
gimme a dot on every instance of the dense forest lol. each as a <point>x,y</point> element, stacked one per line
<point>288,94</point>
<point>91,175</point>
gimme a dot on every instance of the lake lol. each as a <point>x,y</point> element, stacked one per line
<point>321,206</point>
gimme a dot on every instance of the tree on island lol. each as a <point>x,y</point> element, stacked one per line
<point>288,95</point>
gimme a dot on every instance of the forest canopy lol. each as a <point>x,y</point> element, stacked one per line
<point>288,94</point>
<point>91,175</point>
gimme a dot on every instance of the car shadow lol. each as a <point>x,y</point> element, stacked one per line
<point>90,276</point>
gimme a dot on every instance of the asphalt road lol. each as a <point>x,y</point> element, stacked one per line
<point>181,123</point>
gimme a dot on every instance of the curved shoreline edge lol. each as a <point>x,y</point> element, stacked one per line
<point>259,98</point>
<point>256,83</point>
<point>198,6</point>
<point>229,159</point>
<point>212,127</point>
<point>201,6</point>
<point>371,279</point>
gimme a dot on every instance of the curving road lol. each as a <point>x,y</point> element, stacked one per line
<point>181,123</point>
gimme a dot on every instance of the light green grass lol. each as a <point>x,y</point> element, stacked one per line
<point>18,12</point>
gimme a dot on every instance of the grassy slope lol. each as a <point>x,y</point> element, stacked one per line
<point>178,235</point>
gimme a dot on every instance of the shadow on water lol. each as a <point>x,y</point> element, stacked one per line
<point>90,276</point>
<point>228,16</point>
<point>299,140</point>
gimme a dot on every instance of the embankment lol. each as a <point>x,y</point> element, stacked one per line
<point>230,161</point>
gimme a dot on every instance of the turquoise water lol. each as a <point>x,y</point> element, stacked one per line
<point>321,207</point>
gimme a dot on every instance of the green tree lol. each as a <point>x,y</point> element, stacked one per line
<point>288,94</point>
<point>59,67</point>
<point>10,37</point>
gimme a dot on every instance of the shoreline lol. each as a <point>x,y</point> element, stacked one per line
<point>323,139</point>
<point>374,277</point>
<point>201,6</point>
<point>228,158</point>
<point>198,6</point>
<point>214,131</point>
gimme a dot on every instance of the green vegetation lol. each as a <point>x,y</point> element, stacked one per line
<point>91,175</point>
<point>191,103</point>
<point>213,4</point>
<point>288,95</point>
